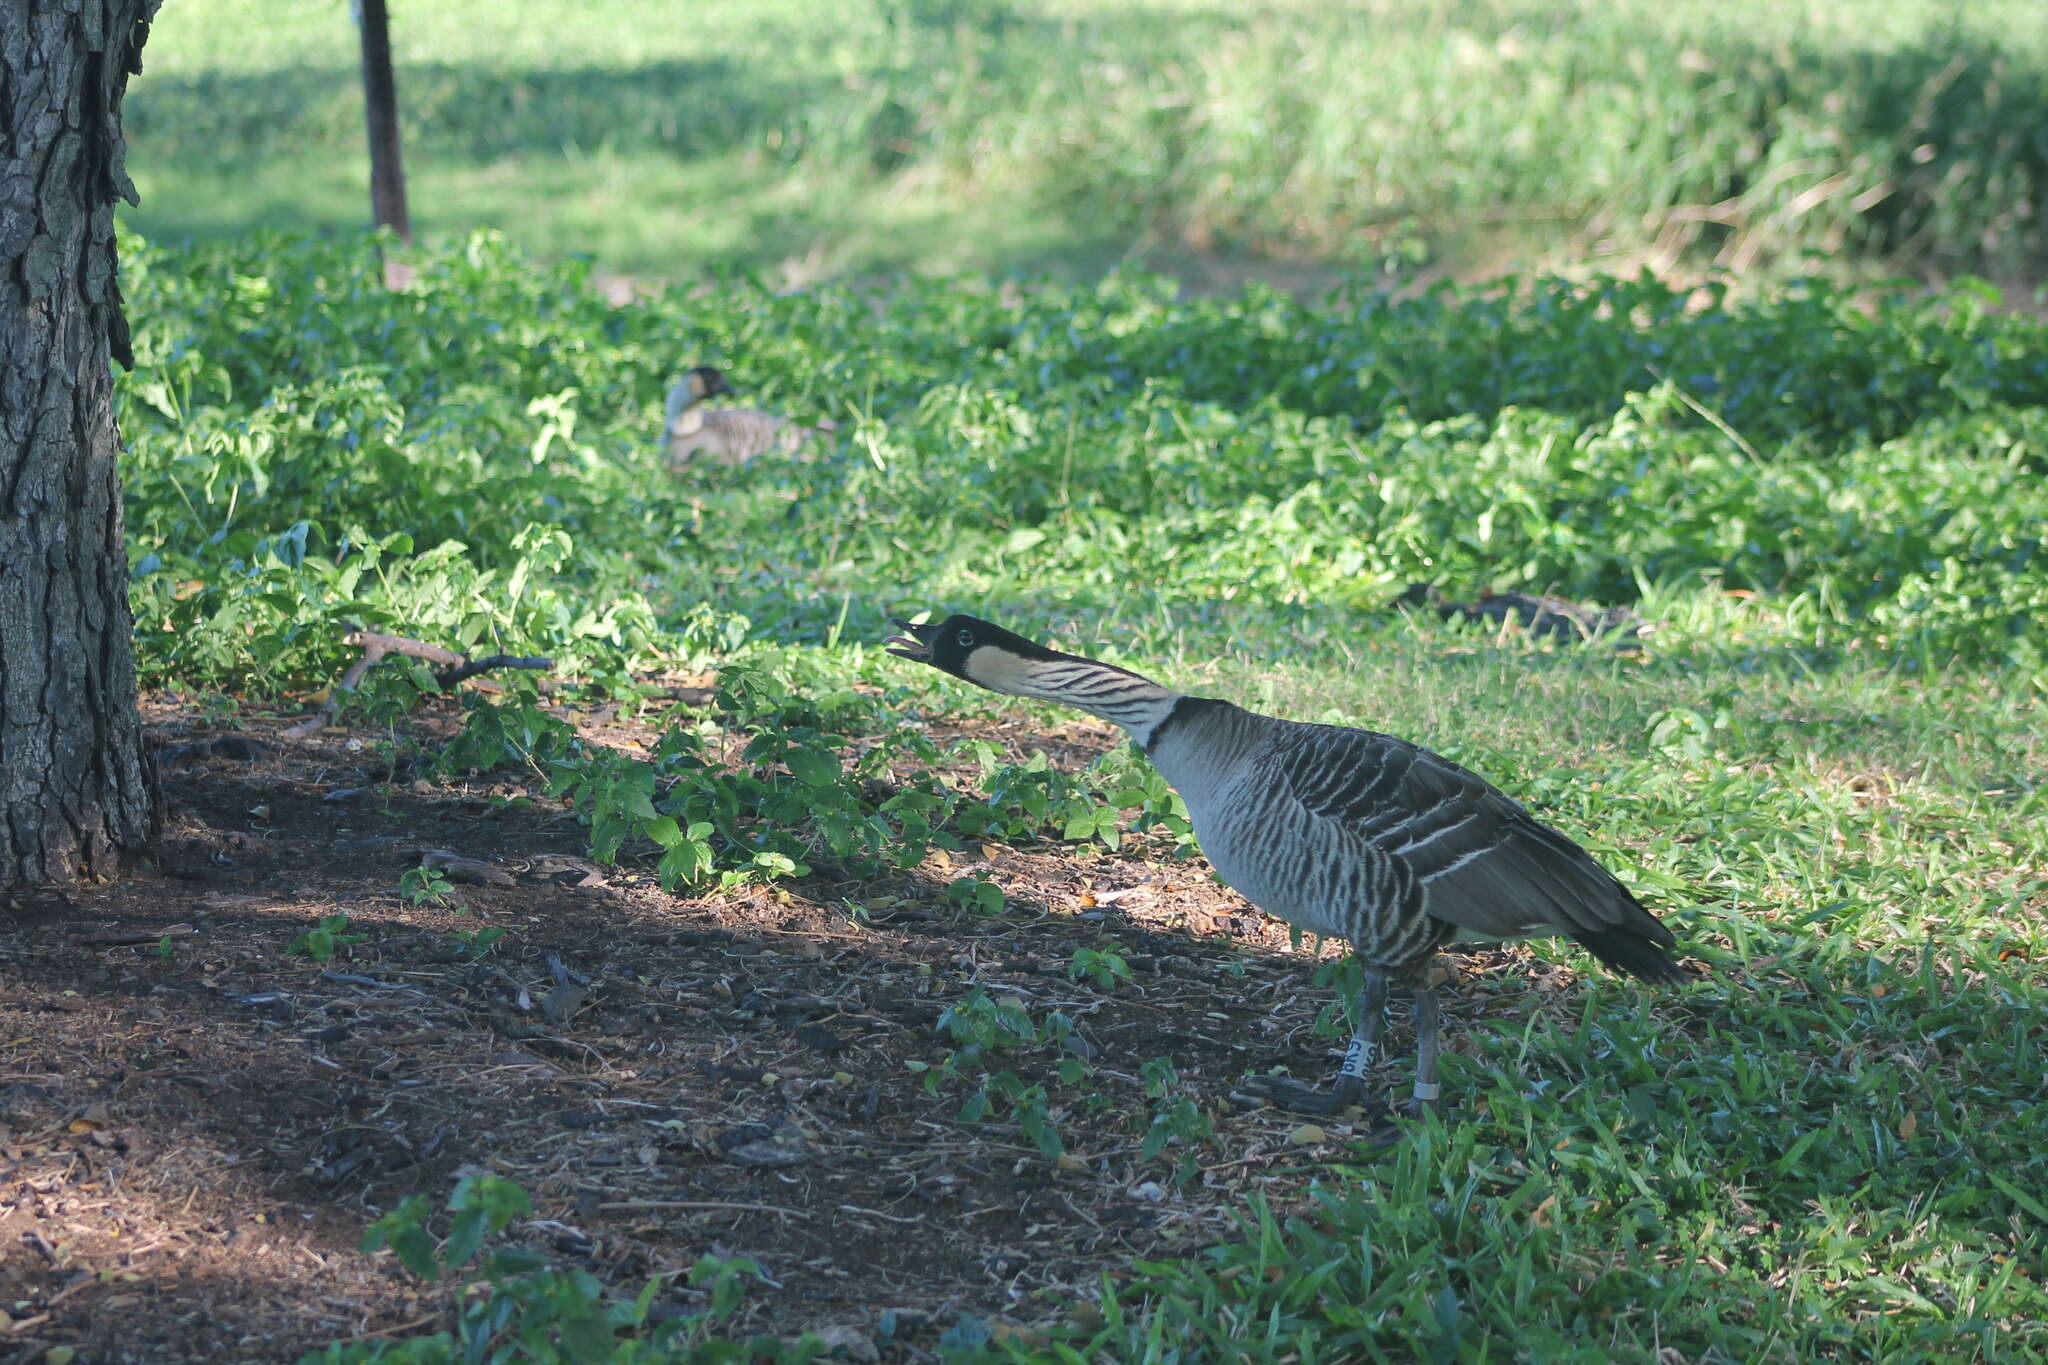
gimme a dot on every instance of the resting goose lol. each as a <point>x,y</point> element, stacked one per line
<point>728,435</point>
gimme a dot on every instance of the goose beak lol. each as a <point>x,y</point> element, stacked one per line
<point>914,642</point>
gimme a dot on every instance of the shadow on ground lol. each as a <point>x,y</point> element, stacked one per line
<point>195,1128</point>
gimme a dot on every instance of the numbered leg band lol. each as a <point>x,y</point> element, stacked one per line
<point>1357,1058</point>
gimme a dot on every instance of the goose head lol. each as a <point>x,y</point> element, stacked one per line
<point>703,382</point>
<point>706,381</point>
<point>973,650</point>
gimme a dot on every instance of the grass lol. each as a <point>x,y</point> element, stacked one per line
<point>1826,766</point>
<point>1028,135</point>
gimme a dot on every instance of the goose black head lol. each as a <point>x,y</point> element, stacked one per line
<point>709,381</point>
<point>951,646</point>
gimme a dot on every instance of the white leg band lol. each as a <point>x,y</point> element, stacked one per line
<point>1357,1058</point>
<point>1427,1091</point>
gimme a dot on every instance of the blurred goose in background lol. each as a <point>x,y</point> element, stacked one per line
<point>1539,614</point>
<point>727,435</point>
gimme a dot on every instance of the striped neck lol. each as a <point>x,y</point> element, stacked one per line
<point>1115,694</point>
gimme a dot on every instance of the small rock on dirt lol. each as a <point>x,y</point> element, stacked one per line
<point>847,1343</point>
<point>460,869</point>
<point>818,1038</point>
<point>762,1147</point>
<point>233,748</point>
<point>767,1154</point>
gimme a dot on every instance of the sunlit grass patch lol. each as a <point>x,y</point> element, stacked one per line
<point>999,135</point>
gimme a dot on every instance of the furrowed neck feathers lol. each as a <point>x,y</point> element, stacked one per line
<point>1115,694</point>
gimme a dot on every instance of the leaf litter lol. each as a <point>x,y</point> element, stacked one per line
<point>196,1127</point>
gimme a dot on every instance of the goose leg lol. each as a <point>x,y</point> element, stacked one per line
<point>1428,1020</point>
<point>1283,1092</point>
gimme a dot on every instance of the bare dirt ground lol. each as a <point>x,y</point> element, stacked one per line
<point>195,1130</point>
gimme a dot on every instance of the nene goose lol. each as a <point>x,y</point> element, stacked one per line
<point>729,435</point>
<point>1343,832</point>
<point>1540,614</point>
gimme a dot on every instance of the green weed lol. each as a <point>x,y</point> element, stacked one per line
<point>512,1304</point>
<point>310,450</point>
<point>476,942</point>
<point>1105,966</point>
<point>976,893</point>
<point>425,886</point>
<point>326,939</point>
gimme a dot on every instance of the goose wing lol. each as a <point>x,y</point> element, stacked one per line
<point>747,432</point>
<point>1486,864</point>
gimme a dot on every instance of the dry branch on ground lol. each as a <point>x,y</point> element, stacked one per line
<point>455,668</point>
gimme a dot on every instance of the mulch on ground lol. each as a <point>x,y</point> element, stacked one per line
<point>196,1126</point>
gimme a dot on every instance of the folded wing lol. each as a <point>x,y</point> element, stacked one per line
<point>1485,864</point>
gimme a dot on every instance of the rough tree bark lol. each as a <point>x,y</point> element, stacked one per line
<point>76,795</point>
<point>380,102</point>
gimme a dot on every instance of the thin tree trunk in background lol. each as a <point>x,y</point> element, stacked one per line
<point>380,100</point>
<point>76,796</point>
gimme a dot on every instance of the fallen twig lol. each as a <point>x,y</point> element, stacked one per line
<point>1713,418</point>
<point>358,979</point>
<point>463,672</point>
<point>395,1329</point>
<point>377,647</point>
<point>85,1278</point>
<point>886,1217</point>
<point>709,1205</point>
<point>457,868</point>
<point>136,936</point>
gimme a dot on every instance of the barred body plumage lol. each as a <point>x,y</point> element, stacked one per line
<point>726,435</point>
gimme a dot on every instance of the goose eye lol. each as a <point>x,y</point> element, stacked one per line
<point>966,638</point>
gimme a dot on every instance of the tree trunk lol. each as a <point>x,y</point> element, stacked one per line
<point>380,102</point>
<point>76,795</point>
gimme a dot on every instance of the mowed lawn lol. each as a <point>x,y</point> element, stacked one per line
<point>1290,140</point>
